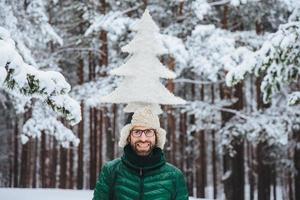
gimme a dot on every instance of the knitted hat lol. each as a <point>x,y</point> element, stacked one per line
<point>144,117</point>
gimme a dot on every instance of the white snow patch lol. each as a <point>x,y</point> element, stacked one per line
<point>45,194</point>
<point>48,194</point>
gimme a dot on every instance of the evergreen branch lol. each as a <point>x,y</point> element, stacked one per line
<point>278,61</point>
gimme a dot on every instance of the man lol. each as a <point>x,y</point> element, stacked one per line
<point>142,172</point>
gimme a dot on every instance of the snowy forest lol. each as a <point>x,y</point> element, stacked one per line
<point>233,66</point>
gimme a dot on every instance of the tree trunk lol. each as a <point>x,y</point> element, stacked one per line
<point>170,116</point>
<point>264,174</point>
<point>71,163</point>
<point>297,166</point>
<point>114,124</point>
<point>93,145</point>
<point>251,172</point>
<point>42,158</point>
<point>80,153</point>
<point>234,184</point>
<point>214,157</point>
<point>54,164</point>
<point>201,173</point>
<point>63,168</point>
<point>201,160</point>
<point>24,160</point>
<point>110,138</point>
<point>224,19</point>
<point>264,169</point>
<point>274,182</point>
<point>16,154</point>
<point>99,144</point>
<point>11,157</point>
<point>79,178</point>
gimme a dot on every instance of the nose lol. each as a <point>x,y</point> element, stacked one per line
<point>143,137</point>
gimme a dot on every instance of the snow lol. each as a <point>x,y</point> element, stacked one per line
<point>91,92</point>
<point>6,52</point>
<point>291,4</point>
<point>25,52</point>
<point>207,116</point>
<point>3,75</point>
<point>295,16</point>
<point>20,102</point>
<point>28,80</point>
<point>176,49</point>
<point>69,104</point>
<point>201,8</point>
<point>237,64</point>
<point>52,82</point>
<point>46,194</point>
<point>207,46</point>
<point>273,126</point>
<point>278,58</point>
<point>47,29</point>
<point>45,120</point>
<point>294,98</point>
<point>113,22</point>
<point>49,194</point>
<point>242,2</point>
<point>37,11</point>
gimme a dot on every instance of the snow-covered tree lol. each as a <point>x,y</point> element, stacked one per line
<point>207,115</point>
<point>214,51</point>
<point>141,85</point>
<point>277,61</point>
<point>44,120</point>
<point>49,86</point>
<point>273,127</point>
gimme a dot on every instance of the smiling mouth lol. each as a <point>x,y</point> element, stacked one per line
<point>143,145</point>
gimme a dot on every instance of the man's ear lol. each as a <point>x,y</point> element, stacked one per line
<point>128,139</point>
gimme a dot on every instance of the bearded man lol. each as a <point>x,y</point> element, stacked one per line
<point>142,172</point>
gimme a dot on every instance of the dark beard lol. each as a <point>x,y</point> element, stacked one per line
<point>142,153</point>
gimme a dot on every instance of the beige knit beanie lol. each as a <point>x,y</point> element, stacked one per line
<point>144,117</point>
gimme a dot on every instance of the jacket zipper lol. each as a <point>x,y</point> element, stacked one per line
<point>141,184</point>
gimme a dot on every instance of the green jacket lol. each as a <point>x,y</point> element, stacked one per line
<point>134,177</point>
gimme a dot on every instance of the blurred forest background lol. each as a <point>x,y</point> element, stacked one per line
<point>229,142</point>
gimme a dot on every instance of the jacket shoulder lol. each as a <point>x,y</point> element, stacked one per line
<point>172,168</point>
<point>112,164</point>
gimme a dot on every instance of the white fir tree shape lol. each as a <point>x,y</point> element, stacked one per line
<point>141,85</point>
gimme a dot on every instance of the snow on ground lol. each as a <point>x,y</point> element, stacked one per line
<point>47,194</point>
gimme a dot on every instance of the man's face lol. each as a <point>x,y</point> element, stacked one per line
<point>142,144</point>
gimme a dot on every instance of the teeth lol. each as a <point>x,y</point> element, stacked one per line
<point>143,145</point>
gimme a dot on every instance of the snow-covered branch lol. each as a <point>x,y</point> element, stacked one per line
<point>44,121</point>
<point>278,59</point>
<point>50,86</point>
<point>273,127</point>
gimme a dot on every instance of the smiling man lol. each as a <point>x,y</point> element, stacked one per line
<point>142,140</point>
<point>142,172</point>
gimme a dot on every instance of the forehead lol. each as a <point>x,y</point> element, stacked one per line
<point>141,127</point>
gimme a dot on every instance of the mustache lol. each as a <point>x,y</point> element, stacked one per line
<point>143,143</point>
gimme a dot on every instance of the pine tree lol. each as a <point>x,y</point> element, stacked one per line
<point>141,85</point>
<point>277,61</point>
<point>51,86</point>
